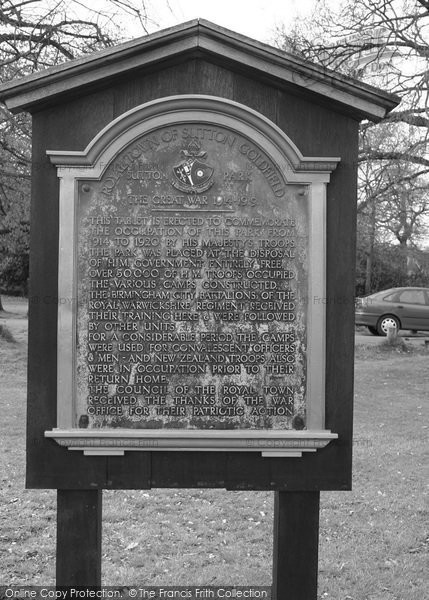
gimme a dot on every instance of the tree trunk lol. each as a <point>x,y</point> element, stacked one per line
<point>369,260</point>
<point>370,254</point>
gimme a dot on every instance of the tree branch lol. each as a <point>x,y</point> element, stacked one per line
<point>380,155</point>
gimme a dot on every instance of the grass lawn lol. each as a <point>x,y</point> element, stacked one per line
<point>373,541</point>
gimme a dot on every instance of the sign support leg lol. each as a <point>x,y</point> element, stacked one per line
<point>296,540</point>
<point>78,538</point>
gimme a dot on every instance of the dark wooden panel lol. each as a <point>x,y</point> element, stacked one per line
<point>79,538</point>
<point>133,470</point>
<point>316,130</point>
<point>193,77</point>
<point>215,80</point>
<point>71,125</point>
<point>48,465</point>
<point>341,234</point>
<point>188,469</point>
<point>313,471</point>
<point>256,95</point>
<point>295,551</point>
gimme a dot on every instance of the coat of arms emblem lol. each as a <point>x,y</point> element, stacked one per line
<point>192,175</point>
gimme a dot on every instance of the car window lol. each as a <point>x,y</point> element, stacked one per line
<point>391,297</point>
<point>412,297</point>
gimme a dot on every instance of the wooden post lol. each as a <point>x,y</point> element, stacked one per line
<point>79,538</point>
<point>296,540</point>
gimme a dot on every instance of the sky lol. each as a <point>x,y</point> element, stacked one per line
<point>254,18</point>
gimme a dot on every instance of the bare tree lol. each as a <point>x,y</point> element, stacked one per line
<point>35,34</point>
<point>384,43</point>
<point>40,33</point>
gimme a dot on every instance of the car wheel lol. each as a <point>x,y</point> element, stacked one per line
<point>385,322</point>
<point>373,330</point>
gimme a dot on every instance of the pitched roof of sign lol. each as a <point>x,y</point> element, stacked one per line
<point>198,38</point>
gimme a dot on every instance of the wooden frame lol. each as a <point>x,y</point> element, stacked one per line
<point>316,108</point>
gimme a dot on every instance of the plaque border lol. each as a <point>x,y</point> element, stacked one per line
<point>91,163</point>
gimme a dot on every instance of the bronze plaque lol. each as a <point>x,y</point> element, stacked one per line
<point>192,287</point>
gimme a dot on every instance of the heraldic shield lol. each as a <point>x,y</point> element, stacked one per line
<point>192,175</point>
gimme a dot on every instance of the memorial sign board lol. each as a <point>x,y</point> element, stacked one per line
<point>192,237</point>
<point>187,308</point>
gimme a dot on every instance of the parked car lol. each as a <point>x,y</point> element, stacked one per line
<point>402,308</point>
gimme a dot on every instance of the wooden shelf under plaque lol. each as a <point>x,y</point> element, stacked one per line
<point>273,443</point>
